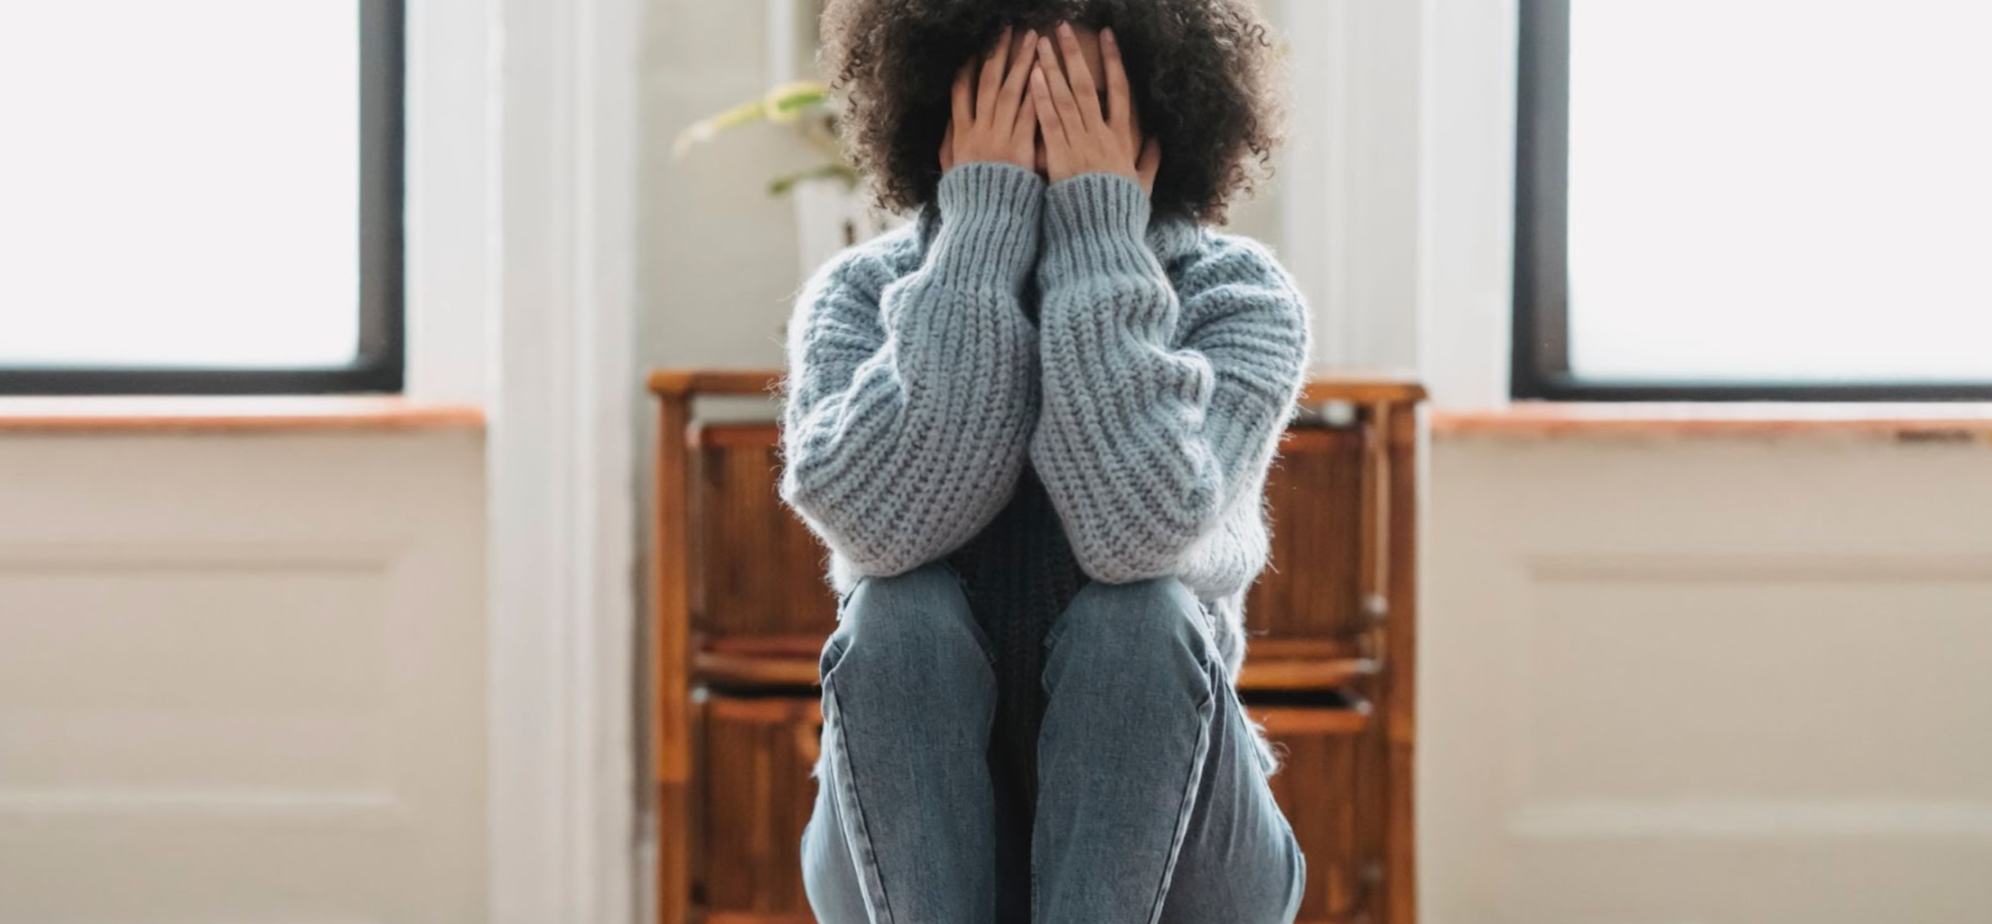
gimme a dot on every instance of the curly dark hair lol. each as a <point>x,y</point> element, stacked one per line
<point>1204,73</point>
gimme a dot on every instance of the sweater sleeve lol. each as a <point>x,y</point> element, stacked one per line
<point>1144,444</point>
<point>910,389</point>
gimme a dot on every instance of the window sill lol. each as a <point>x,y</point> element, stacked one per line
<point>1548,419</point>
<point>231,414</point>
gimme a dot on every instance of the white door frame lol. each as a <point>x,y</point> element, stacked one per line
<point>1399,228</point>
<point>562,505</point>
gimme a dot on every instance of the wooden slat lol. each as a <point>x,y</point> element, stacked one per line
<point>689,382</point>
<point>1372,525</point>
<point>1302,648</point>
<point>727,669</point>
<point>1323,384</point>
<point>671,622</point>
<point>1262,674</point>
<point>733,917</point>
<point>1400,887</point>
<point>739,668</point>
<point>766,710</point>
<point>742,434</point>
<point>1290,721</point>
<point>698,826</point>
<point>1331,384</point>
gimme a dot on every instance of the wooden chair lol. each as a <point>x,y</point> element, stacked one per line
<point>742,611</point>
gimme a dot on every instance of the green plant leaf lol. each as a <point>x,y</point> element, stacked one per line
<point>782,104</point>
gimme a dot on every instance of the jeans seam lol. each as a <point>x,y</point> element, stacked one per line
<point>982,640</point>
<point>871,883</point>
<point>1206,712</point>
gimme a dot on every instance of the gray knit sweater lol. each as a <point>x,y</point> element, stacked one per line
<point>1139,367</point>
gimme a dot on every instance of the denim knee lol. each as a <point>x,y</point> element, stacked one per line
<point>1139,621</point>
<point>915,622</point>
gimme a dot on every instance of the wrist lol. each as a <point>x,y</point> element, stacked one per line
<point>998,159</point>
<point>1128,174</point>
<point>978,189</point>
<point>991,213</point>
<point>1097,219</point>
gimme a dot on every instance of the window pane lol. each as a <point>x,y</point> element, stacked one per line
<point>1781,190</point>
<point>179,185</point>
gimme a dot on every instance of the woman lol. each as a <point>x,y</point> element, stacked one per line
<point>1033,428</point>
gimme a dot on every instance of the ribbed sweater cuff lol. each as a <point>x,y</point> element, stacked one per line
<point>1097,221</point>
<point>990,216</point>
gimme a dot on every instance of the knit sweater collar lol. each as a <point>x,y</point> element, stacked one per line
<point>1171,235</point>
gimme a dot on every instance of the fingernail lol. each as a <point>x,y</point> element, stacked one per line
<point>1108,34</point>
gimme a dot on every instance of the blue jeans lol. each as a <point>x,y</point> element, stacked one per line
<point>1152,805</point>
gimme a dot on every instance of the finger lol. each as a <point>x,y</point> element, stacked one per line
<point>1133,129</point>
<point>1045,110</point>
<point>947,149</point>
<point>1062,102</point>
<point>1149,163</point>
<point>992,74</point>
<point>1023,138</point>
<point>1085,91</point>
<point>1120,106</point>
<point>962,112</point>
<point>1015,93</point>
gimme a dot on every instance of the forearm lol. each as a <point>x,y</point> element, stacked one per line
<point>1142,443</point>
<point>922,440</point>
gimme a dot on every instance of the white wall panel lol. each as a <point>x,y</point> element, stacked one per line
<point>242,678</point>
<point>1712,680</point>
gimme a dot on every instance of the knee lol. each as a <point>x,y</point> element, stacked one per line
<point>829,878</point>
<point>1138,622</point>
<point>1272,904</point>
<point>912,624</point>
<point>1282,906</point>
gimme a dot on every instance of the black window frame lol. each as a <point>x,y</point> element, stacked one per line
<point>379,362</point>
<point>1540,361</point>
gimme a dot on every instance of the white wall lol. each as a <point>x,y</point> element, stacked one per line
<point>242,677</point>
<point>452,198</point>
<point>1723,680</point>
<point>716,264</point>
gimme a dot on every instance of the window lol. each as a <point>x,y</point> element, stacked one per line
<point>1766,199</point>
<point>201,196</point>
